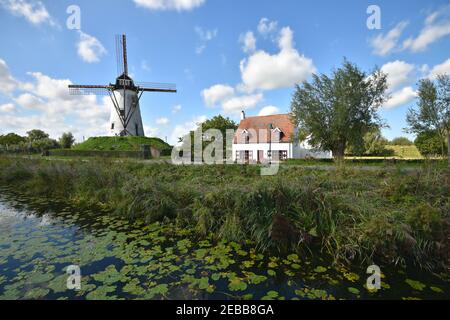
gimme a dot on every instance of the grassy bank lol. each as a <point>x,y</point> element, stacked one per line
<point>120,144</point>
<point>351,215</point>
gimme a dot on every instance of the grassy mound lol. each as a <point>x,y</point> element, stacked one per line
<point>121,143</point>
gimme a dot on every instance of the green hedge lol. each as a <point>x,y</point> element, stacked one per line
<point>96,153</point>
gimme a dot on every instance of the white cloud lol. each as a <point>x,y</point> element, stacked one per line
<point>284,69</point>
<point>269,110</point>
<point>183,129</point>
<point>179,5</point>
<point>8,83</point>
<point>90,49</point>
<point>401,97</point>
<point>398,72</point>
<point>162,121</point>
<point>433,30</point>
<point>217,94</point>
<point>34,11</point>
<point>226,97</point>
<point>249,42</point>
<point>236,104</point>
<point>54,110</point>
<point>265,26</point>
<point>385,44</point>
<point>176,109</point>
<point>443,68</point>
<point>7,108</point>
<point>205,37</point>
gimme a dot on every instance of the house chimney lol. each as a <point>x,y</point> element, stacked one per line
<point>242,115</point>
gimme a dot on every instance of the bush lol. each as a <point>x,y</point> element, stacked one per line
<point>429,144</point>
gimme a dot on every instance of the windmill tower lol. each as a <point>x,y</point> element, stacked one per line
<point>125,119</point>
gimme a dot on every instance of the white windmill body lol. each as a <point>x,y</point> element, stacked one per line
<point>125,118</point>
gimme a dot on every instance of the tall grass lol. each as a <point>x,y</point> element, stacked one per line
<point>350,214</point>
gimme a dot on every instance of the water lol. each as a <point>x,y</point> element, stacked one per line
<point>122,260</point>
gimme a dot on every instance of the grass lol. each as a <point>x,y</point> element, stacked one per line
<point>382,215</point>
<point>120,143</point>
<point>405,152</point>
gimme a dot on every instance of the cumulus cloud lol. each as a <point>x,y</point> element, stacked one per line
<point>53,109</point>
<point>443,68</point>
<point>401,97</point>
<point>183,129</point>
<point>217,94</point>
<point>437,26</point>
<point>398,73</point>
<point>227,98</point>
<point>384,44</point>
<point>33,11</point>
<point>264,71</point>
<point>178,5</point>
<point>90,49</point>
<point>249,42</point>
<point>265,26</point>
<point>268,110</point>
<point>162,121</point>
<point>7,108</point>
<point>8,83</point>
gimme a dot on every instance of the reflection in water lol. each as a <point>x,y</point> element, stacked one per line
<point>119,259</point>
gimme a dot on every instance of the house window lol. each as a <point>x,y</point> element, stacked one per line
<point>112,126</point>
<point>136,128</point>
<point>282,154</point>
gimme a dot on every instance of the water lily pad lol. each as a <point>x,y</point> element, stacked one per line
<point>237,284</point>
<point>416,285</point>
<point>320,269</point>
<point>353,290</point>
<point>436,289</point>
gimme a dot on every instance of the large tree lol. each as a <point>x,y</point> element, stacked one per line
<point>36,134</point>
<point>67,140</point>
<point>338,110</point>
<point>217,122</point>
<point>433,110</point>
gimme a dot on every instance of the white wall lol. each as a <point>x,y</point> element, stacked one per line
<point>136,119</point>
<point>294,151</point>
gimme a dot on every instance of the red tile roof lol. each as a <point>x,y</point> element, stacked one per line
<point>254,124</point>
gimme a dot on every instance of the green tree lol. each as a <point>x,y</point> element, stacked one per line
<point>11,139</point>
<point>401,141</point>
<point>36,134</point>
<point>217,122</point>
<point>433,114</point>
<point>429,144</point>
<point>373,144</point>
<point>67,140</point>
<point>338,110</point>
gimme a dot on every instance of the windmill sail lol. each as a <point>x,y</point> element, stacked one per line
<point>121,55</point>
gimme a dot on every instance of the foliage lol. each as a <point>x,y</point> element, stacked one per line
<point>218,123</point>
<point>36,134</point>
<point>373,144</point>
<point>401,141</point>
<point>11,139</point>
<point>433,114</point>
<point>337,110</point>
<point>67,140</point>
<point>429,143</point>
<point>349,214</point>
<point>121,144</point>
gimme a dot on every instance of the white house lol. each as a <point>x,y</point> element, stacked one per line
<point>258,138</point>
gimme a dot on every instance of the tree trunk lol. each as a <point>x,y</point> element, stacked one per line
<point>339,151</point>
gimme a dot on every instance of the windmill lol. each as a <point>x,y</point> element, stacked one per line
<point>125,95</point>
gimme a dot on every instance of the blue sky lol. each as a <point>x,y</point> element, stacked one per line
<point>223,56</point>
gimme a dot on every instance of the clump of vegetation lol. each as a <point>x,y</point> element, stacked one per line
<point>349,214</point>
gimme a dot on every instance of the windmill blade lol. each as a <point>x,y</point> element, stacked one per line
<point>83,90</point>
<point>119,55</point>
<point>125,58</point>
<point>156,87</point>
